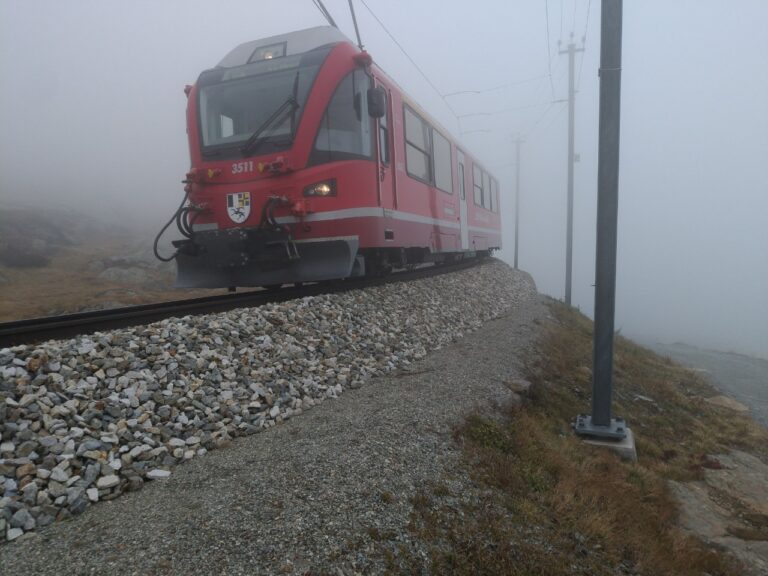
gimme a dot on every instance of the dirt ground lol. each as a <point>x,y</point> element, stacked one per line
<point>70,283</point>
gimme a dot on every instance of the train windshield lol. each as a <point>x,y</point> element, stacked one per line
<point>236,102</point>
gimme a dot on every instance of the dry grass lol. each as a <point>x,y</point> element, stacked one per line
<point>664,403</point>
<point>68,285</point>
<point>558,506</point>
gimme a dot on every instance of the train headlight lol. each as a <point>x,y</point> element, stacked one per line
<point>268,52</point>
<point>324,188</point>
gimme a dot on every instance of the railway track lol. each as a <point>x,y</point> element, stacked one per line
<point>35,330</point>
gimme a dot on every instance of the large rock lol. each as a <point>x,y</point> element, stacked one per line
<point>744,479</point>
<point>23,519</point>
<point>107,481</point>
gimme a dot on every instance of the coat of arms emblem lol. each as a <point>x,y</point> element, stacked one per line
<point>239,206</point>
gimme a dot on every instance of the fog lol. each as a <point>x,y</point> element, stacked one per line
<point>93,119</point>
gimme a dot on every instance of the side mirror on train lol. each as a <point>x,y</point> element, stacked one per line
<point>377,102</point>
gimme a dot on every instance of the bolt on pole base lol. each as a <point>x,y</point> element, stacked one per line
<point>616,430</point>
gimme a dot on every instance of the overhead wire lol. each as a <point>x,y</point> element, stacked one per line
<point>503,111</point>
<point>542,89</point>
<point>460,117</point>
<point>573,21</point>
<point>530,130</point>
<point>562,109</point>
<point>549,51</point>
<point>584,43</point>
<point>541,117</point>
<point>549,75</point>
<point>412,61</point>
<point>500,87</point>
<point>444,96</point>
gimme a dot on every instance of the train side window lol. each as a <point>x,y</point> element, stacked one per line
<point>478,184</point>
<point>418,147</point>
<point>384,136</point>
<point>443,172</point>
<point>462,187</point>
<point>345,130</point>
<point>487,191</point>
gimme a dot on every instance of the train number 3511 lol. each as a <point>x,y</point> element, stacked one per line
<point>241,167</point>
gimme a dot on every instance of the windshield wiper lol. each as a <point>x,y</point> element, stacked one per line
<point>255,139</point>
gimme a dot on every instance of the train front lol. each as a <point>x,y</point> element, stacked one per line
<point>252,122</point>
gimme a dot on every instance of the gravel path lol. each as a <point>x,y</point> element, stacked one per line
<point>308,495</point>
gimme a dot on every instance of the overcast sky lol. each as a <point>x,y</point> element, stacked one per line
<point>93,119</point>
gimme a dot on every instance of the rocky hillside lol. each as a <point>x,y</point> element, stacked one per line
<point>30,237</point>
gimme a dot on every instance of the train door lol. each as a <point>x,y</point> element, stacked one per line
<point>387,192</point>
<point>463,202</point>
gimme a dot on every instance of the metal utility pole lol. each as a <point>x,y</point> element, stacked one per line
<point>600,423</point>
<point>518,142</point>
<point>571,51</point>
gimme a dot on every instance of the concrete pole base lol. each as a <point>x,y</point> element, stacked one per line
<point>624,447</point>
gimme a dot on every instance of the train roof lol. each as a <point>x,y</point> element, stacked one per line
<point>286,44</point>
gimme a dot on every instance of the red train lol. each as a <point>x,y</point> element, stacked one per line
<point>309,164</point>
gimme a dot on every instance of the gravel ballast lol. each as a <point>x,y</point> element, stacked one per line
<point>135,403</point>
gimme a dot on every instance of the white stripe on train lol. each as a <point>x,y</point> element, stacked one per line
<point>364,213</point>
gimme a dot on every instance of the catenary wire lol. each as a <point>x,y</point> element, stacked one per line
<point>405,52</point>
<point>541,117</point>
<point>557,114</point>
<point>500,87</point>
<point>573,21</point>
<point>584,43</point>
<point>549,51</point>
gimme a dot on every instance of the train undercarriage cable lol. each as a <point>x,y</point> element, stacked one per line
<point>184,227</point>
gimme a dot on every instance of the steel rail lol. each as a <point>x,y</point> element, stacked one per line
<point>34,330</point>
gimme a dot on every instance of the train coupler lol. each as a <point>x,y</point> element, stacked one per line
<point>187,247</point>
<point>259,257</point>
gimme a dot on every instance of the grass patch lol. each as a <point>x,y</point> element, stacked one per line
<point>558,506</point>
<point>387,497</point>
